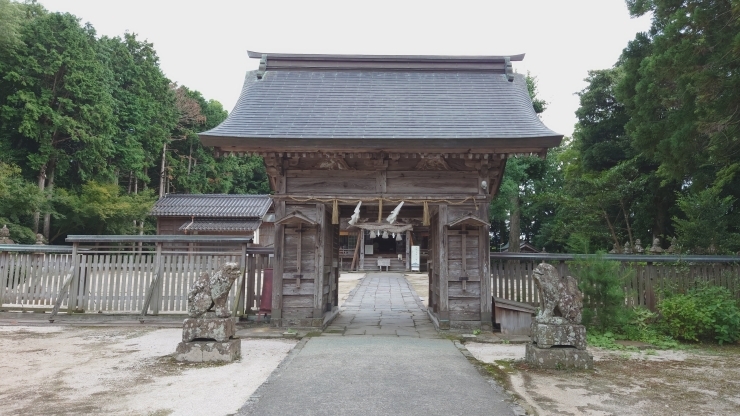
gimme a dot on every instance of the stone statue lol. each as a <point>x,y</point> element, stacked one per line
<point>627,248</point>
<point>39,239</point>
<point>655,248</point>
<point>558,338</point>
<point>615,249</point>
<point>212,292</point>
<point>208,338</point>
<point>560,300</point>
<point>638,247</point>
<point>5,236</point>
<point>674,246</point>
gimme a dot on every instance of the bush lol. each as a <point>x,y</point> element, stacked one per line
<point>602,283</point>
<point>704,313</point>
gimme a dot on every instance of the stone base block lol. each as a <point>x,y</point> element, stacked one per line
<point>219,329</point>
<point>209,351</point>
<point>554,335</point>
<point>558,358</point>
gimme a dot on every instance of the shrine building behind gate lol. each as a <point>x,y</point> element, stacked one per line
<point>431,132</point>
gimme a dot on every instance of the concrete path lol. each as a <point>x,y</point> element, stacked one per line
<point>387,359</point>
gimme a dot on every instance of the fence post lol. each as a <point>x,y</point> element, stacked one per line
<point>150,294</point>
<point>159,282</point>
<point>243,266</point>
<point>4,274</point>
<point>75,282</point>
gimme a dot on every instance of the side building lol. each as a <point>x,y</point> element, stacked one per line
<point>216,214</point>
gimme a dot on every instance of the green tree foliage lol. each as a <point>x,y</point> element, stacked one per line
<point>192,168</point>
<point>602,282</point>
<point>100,208</point>
<point>682,92</point>
<point>144,106</point>
<point>88,124</point>
<point>514,209</point>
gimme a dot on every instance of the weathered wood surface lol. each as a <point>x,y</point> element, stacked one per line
<point>513,279</point>
<point>113,283</point>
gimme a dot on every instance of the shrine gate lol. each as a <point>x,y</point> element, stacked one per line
<point>401,145</point>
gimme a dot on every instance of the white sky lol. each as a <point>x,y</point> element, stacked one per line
<point>203,44</point>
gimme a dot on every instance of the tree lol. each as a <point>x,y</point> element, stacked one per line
<point>682,92</point>
<point>516,186</point>
<point>59,106</point>
<point>144,106</point>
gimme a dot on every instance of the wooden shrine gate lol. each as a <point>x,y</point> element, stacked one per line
<point>432,133</point>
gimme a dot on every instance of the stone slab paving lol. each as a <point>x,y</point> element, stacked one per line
<point>383,304</point>
<point>384,357</point>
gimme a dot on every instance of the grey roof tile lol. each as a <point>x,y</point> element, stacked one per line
<point>220,225</point>
<point>382,104</point>
<point>212,205</point>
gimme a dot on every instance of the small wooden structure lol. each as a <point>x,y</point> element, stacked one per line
<point>431,132</point>
<point>513,318</point>
<point>216,214</point>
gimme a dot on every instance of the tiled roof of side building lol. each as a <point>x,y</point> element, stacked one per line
<point>231,225</point>
<point>457,98</point>
<point>212,206</point>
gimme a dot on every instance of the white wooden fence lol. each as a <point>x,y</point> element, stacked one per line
<point>127,274</point>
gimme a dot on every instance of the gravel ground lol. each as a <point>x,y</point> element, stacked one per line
<point>699,381</point>
<point>123,371</point>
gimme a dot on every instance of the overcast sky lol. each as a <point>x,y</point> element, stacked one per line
<point>203,44</point>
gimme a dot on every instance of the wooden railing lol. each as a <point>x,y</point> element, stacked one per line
<point>126,274</point>
<point>511,274</point>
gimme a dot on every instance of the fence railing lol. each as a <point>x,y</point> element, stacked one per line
<point>512,279</point>
<point>126,274</point>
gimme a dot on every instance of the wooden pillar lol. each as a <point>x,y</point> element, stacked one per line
<point>277,273</point>
<point>322,226</point>
<point>441,245</point>
<point>484,259</point>
<point>362,249</point>
<point>408,251</point>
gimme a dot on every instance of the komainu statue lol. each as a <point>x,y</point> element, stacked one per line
<point>560,300</point>
<point>212,292</point>
<point>558,338</point>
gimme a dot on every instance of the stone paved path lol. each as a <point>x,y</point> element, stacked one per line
<point>383,304</point>
<point>389,361</point>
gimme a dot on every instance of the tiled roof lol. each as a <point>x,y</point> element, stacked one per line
<point>212,205</point>
<point>369,102</point>
<point>220,225</point>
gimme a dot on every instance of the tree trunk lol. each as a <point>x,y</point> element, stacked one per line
<point>611,230</point>
<point>42,185</point>
<point>514,227</point>
<point>190,158</point>
<point>50,190</point>
<point>162,174</point>
<point>627,223</point>
<point>130,179</point>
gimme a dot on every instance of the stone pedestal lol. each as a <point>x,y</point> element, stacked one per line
<point>219,329</point>
<point>558,335</point>
<point>209,351</point>
<point>558,358</point>
<point>558,346</point>
<point>208,339</point>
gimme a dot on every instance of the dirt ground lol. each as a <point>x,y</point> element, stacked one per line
<point>123,371</point>
<point>697,381</point>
